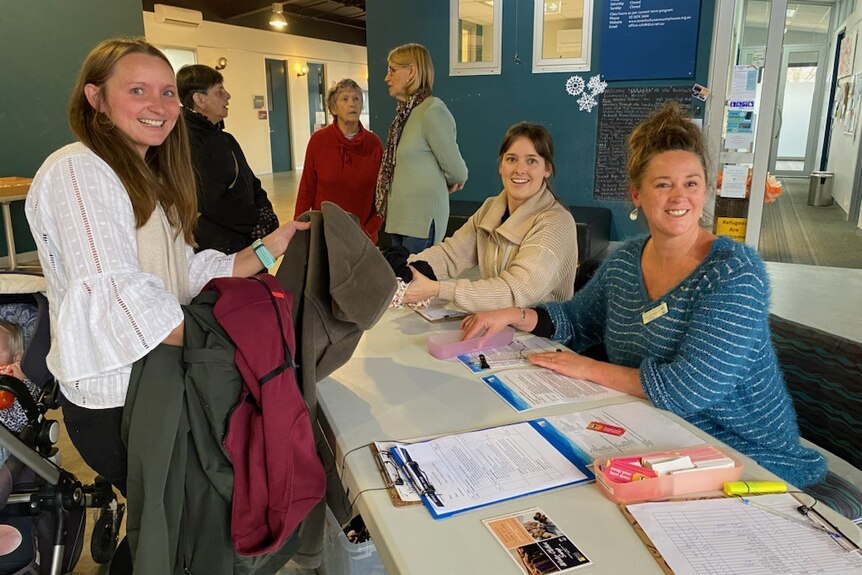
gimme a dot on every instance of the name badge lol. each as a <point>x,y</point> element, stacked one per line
<point>654,313</point>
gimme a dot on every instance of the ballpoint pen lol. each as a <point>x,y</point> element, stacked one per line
<point>419,479</point>
<point>814,521</point>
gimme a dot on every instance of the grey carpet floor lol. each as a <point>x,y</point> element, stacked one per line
<point>794,232</point>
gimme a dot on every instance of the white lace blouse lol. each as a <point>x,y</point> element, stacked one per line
<point>105,312</point>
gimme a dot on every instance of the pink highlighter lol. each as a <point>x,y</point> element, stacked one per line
<point>448,344</point>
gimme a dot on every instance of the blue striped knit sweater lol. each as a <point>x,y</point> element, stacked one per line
<point>709,359</point>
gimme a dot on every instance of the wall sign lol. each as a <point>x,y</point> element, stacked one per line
<point>731,227</point>
<point>649,39</point>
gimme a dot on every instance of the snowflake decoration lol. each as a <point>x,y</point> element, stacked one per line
<point>574,85</point>
<point>597,85</point>
<point>587,102</point>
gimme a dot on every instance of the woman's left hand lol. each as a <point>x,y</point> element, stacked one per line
<point>277,241</point>
<point>621,378</point>
<point>564,362</point>
<point>420,288</point>
<point>246,263</point>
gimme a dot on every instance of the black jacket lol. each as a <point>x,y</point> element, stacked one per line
<point>230,197</point>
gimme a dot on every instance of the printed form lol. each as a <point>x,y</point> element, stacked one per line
<point>534,387</point>
<point>729,537</point>
<point>623,429</point>
<point>513,355</point>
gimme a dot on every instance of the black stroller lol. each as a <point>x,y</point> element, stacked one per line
<point>45,504</point>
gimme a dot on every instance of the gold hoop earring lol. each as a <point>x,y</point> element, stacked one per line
<point>633,215</point>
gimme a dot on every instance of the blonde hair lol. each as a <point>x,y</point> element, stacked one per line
<point>11,339</point>
<point>165,175</point>
<point>418,55</point>
<point>667,129</point>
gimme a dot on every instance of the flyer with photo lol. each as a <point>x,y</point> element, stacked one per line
<point>535,543</point>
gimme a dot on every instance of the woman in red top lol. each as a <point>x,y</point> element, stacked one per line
<point>342,161</point>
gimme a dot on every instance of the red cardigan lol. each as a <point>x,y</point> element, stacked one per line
<point>344,172</point>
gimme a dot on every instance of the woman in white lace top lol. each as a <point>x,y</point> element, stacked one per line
<point>112,215</point>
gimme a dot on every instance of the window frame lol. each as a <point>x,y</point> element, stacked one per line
<point>493,66</point>
<point>547,65</point>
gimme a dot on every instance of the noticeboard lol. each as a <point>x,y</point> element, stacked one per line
<point>649,39</point>
<point>620,110</point>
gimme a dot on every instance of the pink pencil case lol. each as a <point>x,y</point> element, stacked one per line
<point>448,344</point>
<point>675,484</point>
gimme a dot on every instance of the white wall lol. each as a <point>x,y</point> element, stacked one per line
<point>245,76</point>
<point>844,149</point>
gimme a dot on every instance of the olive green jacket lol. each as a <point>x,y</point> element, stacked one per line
<point>180,480</point>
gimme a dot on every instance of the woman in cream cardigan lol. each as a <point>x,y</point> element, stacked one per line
<point>523,239</point>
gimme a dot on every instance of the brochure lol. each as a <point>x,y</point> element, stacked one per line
<point>535,543</point>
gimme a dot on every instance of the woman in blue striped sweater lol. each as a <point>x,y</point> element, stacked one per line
<point>683,314</point>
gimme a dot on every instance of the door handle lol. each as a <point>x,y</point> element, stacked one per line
<point>778,123</point>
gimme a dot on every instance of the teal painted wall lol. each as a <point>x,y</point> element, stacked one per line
<point>485,106</point>
<point>42,45</point>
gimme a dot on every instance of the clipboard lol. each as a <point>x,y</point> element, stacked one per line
<point>388,479</point>
<point>815,518</point>
<point>438,312</point>
<point>536,438</point>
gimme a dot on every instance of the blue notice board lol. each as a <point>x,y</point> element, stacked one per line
<point>649,39</point>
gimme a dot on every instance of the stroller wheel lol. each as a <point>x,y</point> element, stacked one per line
<point>106,532</point>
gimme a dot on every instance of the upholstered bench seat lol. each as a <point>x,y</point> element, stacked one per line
<point>823,373</point>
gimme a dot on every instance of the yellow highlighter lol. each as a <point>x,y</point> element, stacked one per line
<point>751,487</point>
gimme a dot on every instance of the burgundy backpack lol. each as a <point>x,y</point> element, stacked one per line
<point>278,477</point>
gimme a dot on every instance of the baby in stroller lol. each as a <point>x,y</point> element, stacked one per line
<point>42,507</point>
<point>12,415</point>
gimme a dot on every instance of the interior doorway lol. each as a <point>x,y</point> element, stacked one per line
<point>279,116</point>
<point>798,110</point>
<point>317,112</point>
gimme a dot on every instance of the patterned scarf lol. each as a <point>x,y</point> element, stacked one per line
<point>387,166</point>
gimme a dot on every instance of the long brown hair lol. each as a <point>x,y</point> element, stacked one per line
<point>165,175</point>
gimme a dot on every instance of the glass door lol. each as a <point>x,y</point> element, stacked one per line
<point>744,77</point>
<point>797,122</point>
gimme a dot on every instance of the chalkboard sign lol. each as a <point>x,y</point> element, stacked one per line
<point>620,110</point>
<point>649,39</point>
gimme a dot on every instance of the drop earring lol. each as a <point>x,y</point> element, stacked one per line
<point>633,215</point>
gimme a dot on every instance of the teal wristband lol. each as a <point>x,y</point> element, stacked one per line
<point>263,254</point>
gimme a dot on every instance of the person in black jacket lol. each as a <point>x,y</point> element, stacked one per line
<point>234,209</point>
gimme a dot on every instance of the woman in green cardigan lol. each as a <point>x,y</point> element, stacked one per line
<point>421,164</point>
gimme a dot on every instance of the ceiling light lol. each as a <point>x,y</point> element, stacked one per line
<point>277,20</point>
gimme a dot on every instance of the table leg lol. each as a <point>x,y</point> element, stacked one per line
<point>10,237</point>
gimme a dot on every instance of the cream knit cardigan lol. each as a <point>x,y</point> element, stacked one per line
<point>528,259</point>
